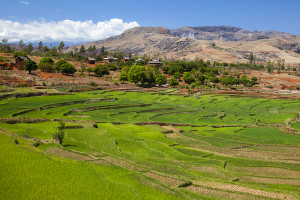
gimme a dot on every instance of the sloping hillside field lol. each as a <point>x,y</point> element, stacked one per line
<point>138,145</point>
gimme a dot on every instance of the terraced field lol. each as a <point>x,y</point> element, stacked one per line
<point>150,146</point>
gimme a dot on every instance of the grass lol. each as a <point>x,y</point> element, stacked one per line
<point>207,132</point>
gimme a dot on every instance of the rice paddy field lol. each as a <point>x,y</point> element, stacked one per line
<point>149,145</point>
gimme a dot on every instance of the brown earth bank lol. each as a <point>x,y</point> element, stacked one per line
<point>270,85</point>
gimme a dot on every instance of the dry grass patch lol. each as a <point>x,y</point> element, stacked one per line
<point>122,163</point>
<point>268,172</point>
<point>166,180</point>
<point>242,189</point>
<point>270,180</point>
<point>67,154</point>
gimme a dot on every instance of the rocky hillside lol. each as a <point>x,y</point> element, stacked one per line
<point>226,33</point>
<point>220,43</point>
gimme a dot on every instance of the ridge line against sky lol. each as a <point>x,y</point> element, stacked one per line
<point>90,20</point>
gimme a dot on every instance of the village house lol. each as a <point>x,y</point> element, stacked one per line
<point>90,60</point>
<point>109,59</point>
<point>20,61</point>
<point>125,59</point>
<point>154,63</point>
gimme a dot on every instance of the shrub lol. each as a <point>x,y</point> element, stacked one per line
<point>37,143</point>
<point>95,125</point>
<point>30,65</point>
<point>46,67</point>
<point>116,83</point>
<point>68,68</point>
<point>225,73</point>
<point>161,79</point>
<point>60,134</point>
<point>16,141</point>
<point>92,83</point>
<point>101,70</point>
<point>58,65</point>
<point>44,83</point>
<point>112,66</point>
<point>185,184</point>
<point>173,82</point>
<point>188,78</point>
<point>254,79</point>
<point>123,76</point>
<point>47,60</point>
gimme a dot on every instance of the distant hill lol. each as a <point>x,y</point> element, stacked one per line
<point>226,33</point>
<point>220,43</point>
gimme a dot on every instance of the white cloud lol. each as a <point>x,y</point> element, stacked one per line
<point>24,2</point>
<point>65,30</point>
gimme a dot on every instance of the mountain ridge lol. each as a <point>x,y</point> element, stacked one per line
<point>220,43</point>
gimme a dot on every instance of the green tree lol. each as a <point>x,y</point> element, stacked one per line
<point>61,46</point>
<point>82,50</point>
<point>103,53</point>
<point>251,59</point>
<point>46,49</point>
<point>46,67</point>
<point>173,82</point>
<point>30,65</point>
<point>188,78</point>
<point>225,73</point>
<point>150,77</point>
<point>21,45</point>
<point>177,75</point>
<point>89,70</point>
<point>47,60</point>
<point>68,68</point>
<point>137,74</point>
<point>101,70</point>
<point>40,47</point>
<point>161,79</point>
<point>60,133</point>
<point>29,48</point>
<point>58,65</point>
<point>112,66</point>
<point>254,79</point>
<point>19,53</point>
<point>245,80</point>
<point>123,76</point>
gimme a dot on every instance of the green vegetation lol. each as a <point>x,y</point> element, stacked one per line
<point>128,145</point>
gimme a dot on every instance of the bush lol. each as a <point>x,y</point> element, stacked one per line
<point>161,79</point>
<point>58,65</point>
<point>16,141</point>
<point>92,83</point>
<point>44,83</point>
<point>95,125</point>
<point>46,67</point>
<point>68,68</point>
<point>38,143</point>
<point>185,184</point>
<point>101,70</point>
<point>116,83</point>
<point>112,66</point>
<point>60,134</point>
<point>173,82</point>
<point>123,76</point>
<point>47,60</point>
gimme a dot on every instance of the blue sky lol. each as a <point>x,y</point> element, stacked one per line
<point>279,15</point>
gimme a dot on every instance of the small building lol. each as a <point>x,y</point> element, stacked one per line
<point>90,60</point>
<point>20,61</point>
<point>109,59</point>
<point>154,63</point>
<point>125,59</point>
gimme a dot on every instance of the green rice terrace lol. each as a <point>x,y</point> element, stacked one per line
<point>149,145</point>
